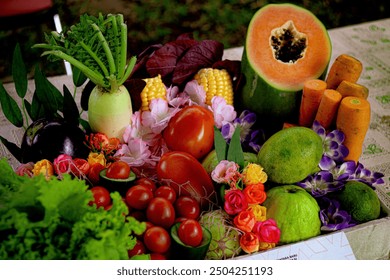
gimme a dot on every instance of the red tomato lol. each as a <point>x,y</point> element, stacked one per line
<point>157,240</point>
<point>146,182</point>
<point>167,192</point>
<point>190,233</point>
<point>93,174</point>
<point>118,170</point>
<point>187,207</point>
<point>191,130</point>
<point>156,256</point>
<point>138,249</point>
<point>187,176</point>
<point>138,197</point>
<point>160,212</point>
<point>101,197</point>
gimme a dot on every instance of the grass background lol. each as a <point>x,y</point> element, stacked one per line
<point>160,21</point>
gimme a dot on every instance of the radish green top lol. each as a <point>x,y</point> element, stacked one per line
<point>97,46</point>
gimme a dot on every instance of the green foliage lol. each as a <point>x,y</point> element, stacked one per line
<point>51,219</point>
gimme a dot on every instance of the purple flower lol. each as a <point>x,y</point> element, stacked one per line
<point>250,137</point>
<point>364,175</point>
<point>332,217</point>
<point>332,143</point>
<point>320,183</point>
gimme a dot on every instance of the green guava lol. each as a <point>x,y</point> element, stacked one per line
<point>295,211</point>
<point>290,155</point>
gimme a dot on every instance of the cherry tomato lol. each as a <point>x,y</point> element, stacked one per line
<point>191,130</point>
<point>157,240</point>
<point>138,197</point>
<point>187,176</point>
<point>138,249</point>
<point>160,212</point>
<point>190,233</point>
<point>101,197</point>
<point>93,174</point>
<point>118,170</point>
<point>167,192</point>
<point>146,182</point>
<point>156,256</point>
<point>187,207</point>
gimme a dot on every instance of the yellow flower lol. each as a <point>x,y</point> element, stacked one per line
<point>265,246</point>
<point>44,167</point>
<point>259,211</point>
<point>253,174</point>
<point>96,158</point>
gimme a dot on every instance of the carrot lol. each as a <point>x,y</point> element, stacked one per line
<point>347,88</point>
<point>345,67</point>
<point>327,111</point>
<point>311,97</point>
<point>353,119</point>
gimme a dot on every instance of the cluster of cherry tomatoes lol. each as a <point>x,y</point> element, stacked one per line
<point>159,207</point>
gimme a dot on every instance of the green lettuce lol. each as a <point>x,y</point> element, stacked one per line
<point>42,220</point>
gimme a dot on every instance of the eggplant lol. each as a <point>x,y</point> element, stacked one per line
<point>49,138</point>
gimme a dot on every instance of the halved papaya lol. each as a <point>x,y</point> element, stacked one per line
<point>285,46</point>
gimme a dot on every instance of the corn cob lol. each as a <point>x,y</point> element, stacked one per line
<point>154,88</point>
<point>216,82</point>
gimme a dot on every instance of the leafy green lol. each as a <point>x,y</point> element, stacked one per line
<point>232,151</point>
<point>42,219</point>
<point>96,46</point>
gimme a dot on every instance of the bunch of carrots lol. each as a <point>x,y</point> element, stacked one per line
<point>339,102</point>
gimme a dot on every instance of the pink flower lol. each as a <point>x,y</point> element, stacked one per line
<point>195,92</point>
<point>223,113</point>
<point>267,231</point>
<point>137,130</point>
<point>235,202</point>
<point>225,172</point>
<point>62,164</point>
<point>25,169</point>
<point>159,115</point>
<point>136,152</point>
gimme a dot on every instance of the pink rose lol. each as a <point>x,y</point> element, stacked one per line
<point>235,202</point>
<point>245,220</point>
<point>267,231</point>
<point>225,172</point>
<point>62,164</point>
<point>25,169</point>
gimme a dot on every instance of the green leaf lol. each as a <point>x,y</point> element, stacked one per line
<point>10,108</point>
<point>19,72</point>
<point>47,94</point>
<point>235,152</point>
<point>70,110</point>
<point>12,148</point>
<point>37,110</point>
<point>85,125</point>
<point>78,77</point>
<point>221,147</point>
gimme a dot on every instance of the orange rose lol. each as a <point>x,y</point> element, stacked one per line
<point>245,220</point>
<point>255,193</point>
<point>249,242</point>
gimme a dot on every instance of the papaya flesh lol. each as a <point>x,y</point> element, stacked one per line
<point>285,46</point>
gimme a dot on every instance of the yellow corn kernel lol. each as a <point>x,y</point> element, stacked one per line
<point>216,82</point>
<point>154,88</point>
